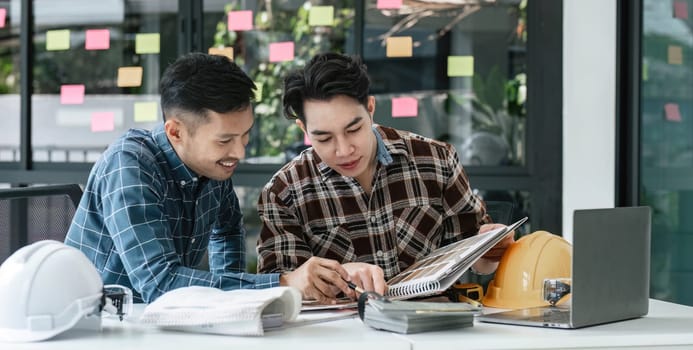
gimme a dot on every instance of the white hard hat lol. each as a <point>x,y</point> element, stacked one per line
<point>47,288</point>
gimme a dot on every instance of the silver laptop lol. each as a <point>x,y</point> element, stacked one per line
<point>610,277</point>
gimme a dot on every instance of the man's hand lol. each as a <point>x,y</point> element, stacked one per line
<point>367,276</point>
<point>489,261</point>
<point>320,279</point>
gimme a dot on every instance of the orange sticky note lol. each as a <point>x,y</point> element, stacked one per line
<point>460,66</point>
<point>672,112</point>
<point>72,94</point>
<point>58,40</point>
<point>675,54</point>
<point>306,140</point>
<point>399,46</point>
<point>405,107</point>
<point>681,9</point>
<point>240,20</point>
<point>321,16</point>
<point>224,51</point>
<point>129,76</point>
<point>388,4</point>
<point>102,121</point>
<point>146,112</point>
<point>3,17</point>
<point>281,51</point>
<point>147,43</point>
<point>97,39</point>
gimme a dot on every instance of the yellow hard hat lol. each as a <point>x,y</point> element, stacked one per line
<point>519,279</point>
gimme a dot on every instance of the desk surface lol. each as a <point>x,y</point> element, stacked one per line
<point>666,325</point>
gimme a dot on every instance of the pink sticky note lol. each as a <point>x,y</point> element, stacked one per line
<point>672,113</point>
<point>72,94</point>
<point>283,51</point>
<point>3,17</point>
<point>405,107</point>
<point>102,121</point>
<point>240,20</point>
<point>97,39</point>
<point>306,140</point>
<point>389,4</point>
<point>681,9</point>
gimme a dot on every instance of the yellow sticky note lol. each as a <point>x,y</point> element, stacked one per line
<point>321,16</point>
<point>147,43</point>
<point>146,112</point>
<point>675,54</point>
<point>460,66</point>
<point>57,40</point>
<point>258,91</point>
<point>224,51</point>
<point>399,46</point>
<point>129,76</point>
<point>645,70</point>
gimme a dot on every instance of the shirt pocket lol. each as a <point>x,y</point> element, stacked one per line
<point>418,230</point>
<point>332,243</point>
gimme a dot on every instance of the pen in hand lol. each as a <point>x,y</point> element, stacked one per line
<point>355,287</point>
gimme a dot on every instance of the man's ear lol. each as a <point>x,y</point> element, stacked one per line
<point>174,130</point>
<point>301,125</point>
<point>371,106</point>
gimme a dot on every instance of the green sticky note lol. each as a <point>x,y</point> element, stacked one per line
<point>460,66</point>
<point>146,112</point>
<point>258,91</point>
<point>58,40</point>
<point>321,16</point>
<point>645,70</point>
<point>147,43</point>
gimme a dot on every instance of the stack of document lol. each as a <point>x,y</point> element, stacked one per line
<point>415,317</point>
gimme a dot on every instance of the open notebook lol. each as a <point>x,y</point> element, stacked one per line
<point>436,272</point>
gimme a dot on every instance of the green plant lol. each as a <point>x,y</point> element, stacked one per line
<point>274,133</point>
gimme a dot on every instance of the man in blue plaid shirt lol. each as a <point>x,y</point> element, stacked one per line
<point>157,200</point>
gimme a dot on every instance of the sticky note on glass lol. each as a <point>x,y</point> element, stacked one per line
<point>282,51</point>
<point>389,4</point>
<point>672,112</point>
<point>258,91</point>
<point>147,43</point>
<point>405,107</point>
<point>102,121</point>
<point>72,94</point>
<point>97,39</point>
<point>223,51</point>
<point>146,112</point>
<point>460,66</point>
<point>240,20</point>
<point>675,54</point>
<point>645,70</point>
<point>3,17</point>
<point>57,40</point>
<point>681,9</point>
<point>130,76</point>
<point>306,140</point>
<point>399,46</point>
<point>321,16</point>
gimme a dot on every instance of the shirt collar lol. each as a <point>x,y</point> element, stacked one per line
<point>183,175</point>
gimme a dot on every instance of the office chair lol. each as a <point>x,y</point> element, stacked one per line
<point>30,214</point>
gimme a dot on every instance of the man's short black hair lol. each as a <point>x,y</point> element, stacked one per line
<point>197,83</point>
<point>326,75</point>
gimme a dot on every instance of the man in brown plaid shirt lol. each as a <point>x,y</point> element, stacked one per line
<point>366,201</point>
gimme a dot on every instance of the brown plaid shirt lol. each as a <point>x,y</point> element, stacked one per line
<point>420,201</point>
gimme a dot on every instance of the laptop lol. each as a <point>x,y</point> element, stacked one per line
<point>610,272</point>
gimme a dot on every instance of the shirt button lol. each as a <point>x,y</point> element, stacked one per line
<point>192,240</point>
<point>379,253</point>
<point>374,219</point>
<point>182,182</point>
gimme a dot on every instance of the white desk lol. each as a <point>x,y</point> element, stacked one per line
<point>667,325</point>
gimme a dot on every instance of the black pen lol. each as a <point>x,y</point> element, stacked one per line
<point>355,287</point>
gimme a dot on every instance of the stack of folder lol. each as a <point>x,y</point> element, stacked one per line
<point>415,317</point>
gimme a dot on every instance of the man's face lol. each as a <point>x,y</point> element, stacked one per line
<point>341,134</point>
<point>214,148</point>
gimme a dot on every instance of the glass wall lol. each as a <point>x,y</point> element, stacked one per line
<point>10,14</point>
<point>97,75</point>
<point>666,154</point>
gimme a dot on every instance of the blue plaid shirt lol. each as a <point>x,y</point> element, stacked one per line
<point>145,220</point>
